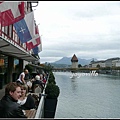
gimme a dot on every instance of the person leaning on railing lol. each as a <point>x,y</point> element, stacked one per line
<point>9,108</point>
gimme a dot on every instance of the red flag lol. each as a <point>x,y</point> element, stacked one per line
<point>34,42</point>
<point>11,12</point>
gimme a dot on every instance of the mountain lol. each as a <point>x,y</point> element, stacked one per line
<point>67,61</point>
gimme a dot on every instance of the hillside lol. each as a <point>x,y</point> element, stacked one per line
<point>67,61</point>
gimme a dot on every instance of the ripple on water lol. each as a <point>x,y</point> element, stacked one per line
<point>88,96</point>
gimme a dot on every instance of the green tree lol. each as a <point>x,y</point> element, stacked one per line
<point>98,66</point>
<point>29,67</point>
<point>79,65</point>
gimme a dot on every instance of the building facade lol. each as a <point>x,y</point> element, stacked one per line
<point>111,62</point>
<point>11,49</point>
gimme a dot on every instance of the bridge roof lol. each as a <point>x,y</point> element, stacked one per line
<point>74,58</point>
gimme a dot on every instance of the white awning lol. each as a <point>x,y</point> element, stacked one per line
<point>8,47</point>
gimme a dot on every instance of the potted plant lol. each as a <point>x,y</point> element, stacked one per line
<point>51,80</point>
<point>52,90</point>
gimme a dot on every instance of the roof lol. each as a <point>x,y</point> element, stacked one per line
<point>74,58</point>
<point>110,59</point>
<point>8,48</point>
<point>101,61</point>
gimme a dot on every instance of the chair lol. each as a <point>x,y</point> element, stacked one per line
<point>37,89</point>
<point>29,84</point>
<point>36,100</point>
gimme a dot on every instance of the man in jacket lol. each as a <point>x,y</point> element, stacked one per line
<point>9,108</point>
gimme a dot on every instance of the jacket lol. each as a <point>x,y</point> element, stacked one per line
<point>9,108</point>
<point>29,104</point>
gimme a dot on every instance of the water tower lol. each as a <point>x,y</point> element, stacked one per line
<point>74,61</point>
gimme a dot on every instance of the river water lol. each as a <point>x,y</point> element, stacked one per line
<point>88,96</point>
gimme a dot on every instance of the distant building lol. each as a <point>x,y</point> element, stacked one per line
<point>111,62</point>
<point>98,63</point>
<point>116,63</point>
<point>74,61</point>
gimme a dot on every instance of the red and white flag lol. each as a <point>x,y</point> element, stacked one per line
<point>35,41</point>
<point>11,12</point>
<point>37,49</point>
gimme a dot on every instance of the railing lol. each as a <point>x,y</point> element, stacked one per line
<point>40,110</point>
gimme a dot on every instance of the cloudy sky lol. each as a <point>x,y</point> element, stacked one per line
<point>89,29</point>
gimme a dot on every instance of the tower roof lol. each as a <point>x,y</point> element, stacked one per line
<point>74,58</point>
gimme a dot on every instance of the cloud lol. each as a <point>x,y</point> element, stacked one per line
<point>89,29</point>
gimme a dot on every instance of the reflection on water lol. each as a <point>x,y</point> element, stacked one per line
<point>88,96</point>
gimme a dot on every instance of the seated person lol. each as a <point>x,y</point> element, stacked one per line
<point>9,108</point>
<point>44,79</point>
<point>37,81</point>
<point>29,84</point>
<point>21,79</point>
<point>26,101</point>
